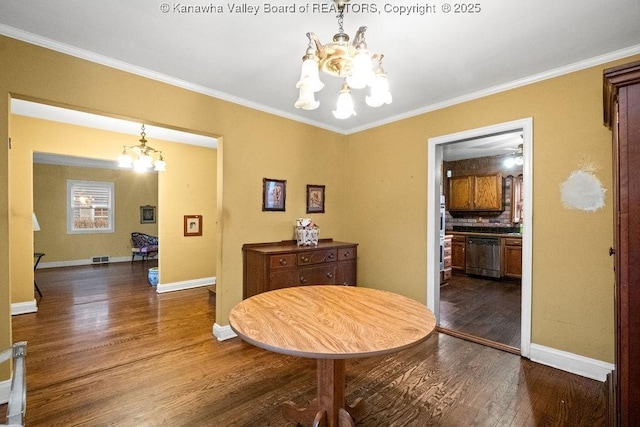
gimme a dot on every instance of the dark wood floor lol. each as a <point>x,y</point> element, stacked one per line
<point>105,349</point>
<point>482,307</point>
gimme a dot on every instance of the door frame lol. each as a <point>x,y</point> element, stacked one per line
<point>434,184</point>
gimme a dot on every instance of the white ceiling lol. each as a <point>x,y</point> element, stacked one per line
<point>74,117</point>
<point>79,118</point>
<point>432,60</point>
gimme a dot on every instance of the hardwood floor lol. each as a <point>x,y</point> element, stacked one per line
<point>105,349</point>
<point>482,307</point>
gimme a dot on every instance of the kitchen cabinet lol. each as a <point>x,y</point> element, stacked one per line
<point>269,266</point>
<point>475,193</point>
<point>512,258</point>
<point>622,116</point>
<point>458,253</point>
<point>445,272</point>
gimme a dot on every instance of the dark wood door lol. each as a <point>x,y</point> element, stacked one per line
<point>622,115</point>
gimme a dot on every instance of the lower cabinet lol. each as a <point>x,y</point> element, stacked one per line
<point>512,258</point>
<point>458,253</point>
<point>269,266</point>
<point>445,272</point>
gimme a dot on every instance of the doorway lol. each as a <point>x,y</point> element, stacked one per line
<point>101,134</point>
<point>434,190</point>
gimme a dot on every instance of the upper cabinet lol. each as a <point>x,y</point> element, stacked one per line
<point>476,193</point>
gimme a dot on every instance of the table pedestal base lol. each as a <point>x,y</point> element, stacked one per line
<point>329,408</point>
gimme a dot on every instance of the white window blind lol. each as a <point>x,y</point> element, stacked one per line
<point>90,207</point>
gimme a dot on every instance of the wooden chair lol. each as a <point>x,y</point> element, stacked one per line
<point>17,403</point>
<point>143,245</point>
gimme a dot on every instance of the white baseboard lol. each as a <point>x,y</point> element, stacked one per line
<point>5,390</point>
<point>569,362</point>
<point>77,262</point>
<point>24,307</point>
<point>223,332</point>
<point>187,284</point>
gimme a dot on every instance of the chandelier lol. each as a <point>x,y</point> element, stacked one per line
<point>351,61</point>
<point>141,156</point>
<point>515,159</point>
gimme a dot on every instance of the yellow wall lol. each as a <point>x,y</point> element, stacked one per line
<point>33,135</point>
<point>376,182</point>
<point>256,145</point>
<point>131,190</point>
<point>572,272</point>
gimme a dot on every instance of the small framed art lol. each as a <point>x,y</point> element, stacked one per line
<point>315,198</point>
<point>274,194</point>
<point>147,214</point>
<point>193,225</point>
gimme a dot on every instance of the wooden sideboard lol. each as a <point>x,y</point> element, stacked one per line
<point>269,266</point>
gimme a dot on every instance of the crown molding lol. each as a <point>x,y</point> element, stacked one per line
<point>143,72</point>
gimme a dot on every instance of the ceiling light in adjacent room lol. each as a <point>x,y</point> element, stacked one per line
<point>141,156</point>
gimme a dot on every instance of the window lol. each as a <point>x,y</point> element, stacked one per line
<point>90,207</point>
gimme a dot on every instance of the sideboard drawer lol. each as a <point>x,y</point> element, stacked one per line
<point>320,275</point>
<point>347,253</point>
<point>282,279</point>
<point>282,261</point>
<point>316,257</point>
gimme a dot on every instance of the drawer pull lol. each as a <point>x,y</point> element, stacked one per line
<point>347,254</point>
<point>330,256</point>
<point>330,275</point>
<point>303,280</point>
<point>305,259</point>
<point>283,261</point>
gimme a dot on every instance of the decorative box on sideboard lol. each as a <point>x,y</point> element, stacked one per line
<point>275,265</point>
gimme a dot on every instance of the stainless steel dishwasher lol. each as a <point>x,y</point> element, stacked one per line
<point>483,256</point>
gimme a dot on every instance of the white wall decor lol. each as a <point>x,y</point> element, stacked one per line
<point>582,190</point>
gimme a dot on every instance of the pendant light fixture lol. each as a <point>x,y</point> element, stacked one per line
<point>141,156</point>
<point>350,61</point>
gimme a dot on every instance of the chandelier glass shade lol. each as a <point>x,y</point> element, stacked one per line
<point>141,157</point>
<point>515,159</point>
<point>351,61</point>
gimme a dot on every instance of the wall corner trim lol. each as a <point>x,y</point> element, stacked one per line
<point>187,284</point>
<point>570,362</point>
<point>24,307</point>
<point>223,332</point>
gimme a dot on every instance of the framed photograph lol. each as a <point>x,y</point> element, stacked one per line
<point>274,194</point>
<point>315,198</point>
<point>147,214</point>
<point>193,225</point>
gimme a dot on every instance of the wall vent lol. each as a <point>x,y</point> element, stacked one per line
<point>104,259</point>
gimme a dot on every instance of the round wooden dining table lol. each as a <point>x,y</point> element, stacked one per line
<point>331,323</point>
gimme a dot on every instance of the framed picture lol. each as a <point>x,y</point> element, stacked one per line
<point>193,225</point>
<point>147,214</point>
<point>274,194</point>
<point>315,198</point>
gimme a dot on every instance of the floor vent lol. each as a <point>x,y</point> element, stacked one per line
<point>100,259</point>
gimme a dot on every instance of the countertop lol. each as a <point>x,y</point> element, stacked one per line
<point>475,233</point>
